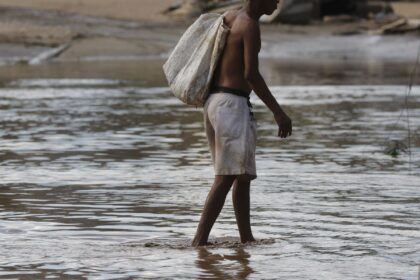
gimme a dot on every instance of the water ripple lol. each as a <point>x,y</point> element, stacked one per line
<point>105,180</point>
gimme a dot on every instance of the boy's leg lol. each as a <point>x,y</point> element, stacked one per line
<point>241,204</point>
<point>214,204</point>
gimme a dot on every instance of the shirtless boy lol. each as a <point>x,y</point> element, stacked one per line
<point>229,122</point>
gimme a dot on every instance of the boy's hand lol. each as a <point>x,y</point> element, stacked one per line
<point>284,123</point>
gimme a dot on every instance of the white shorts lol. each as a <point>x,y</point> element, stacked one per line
<point>232,134</point>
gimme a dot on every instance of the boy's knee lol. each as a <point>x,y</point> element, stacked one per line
<point>244,179</point>
<point>225,179</point>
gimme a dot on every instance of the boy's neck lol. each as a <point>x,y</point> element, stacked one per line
<point>252,11</point>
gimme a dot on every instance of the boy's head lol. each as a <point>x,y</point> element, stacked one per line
<point>266,7</point>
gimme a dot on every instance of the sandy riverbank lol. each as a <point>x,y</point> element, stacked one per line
<point>98,29</point>
<point>38,31</point>
<point>137,10</point>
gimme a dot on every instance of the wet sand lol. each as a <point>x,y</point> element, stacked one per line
<point>149,73</point>
<point>134,30</point>
<point>213,242</point>
<point>137,10</point>
<point>107,48</point>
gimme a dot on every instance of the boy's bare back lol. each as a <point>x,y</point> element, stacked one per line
<point>231,71</point>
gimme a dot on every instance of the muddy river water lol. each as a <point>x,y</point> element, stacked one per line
<point>106,178</point>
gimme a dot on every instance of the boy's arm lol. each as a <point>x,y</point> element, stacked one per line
<point>252,46</point>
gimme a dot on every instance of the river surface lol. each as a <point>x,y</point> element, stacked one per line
<point>105,179</point>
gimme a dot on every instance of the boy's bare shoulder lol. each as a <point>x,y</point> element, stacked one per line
<point>248,25</point>
<point>242,25</point>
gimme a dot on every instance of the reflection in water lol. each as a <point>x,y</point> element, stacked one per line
<point>87,166</point>
<point>234,265</point>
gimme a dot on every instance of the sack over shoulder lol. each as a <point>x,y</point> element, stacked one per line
<point>190,67</point>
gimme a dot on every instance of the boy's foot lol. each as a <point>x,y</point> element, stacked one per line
<point>198,244</point>
<point>248,239</point>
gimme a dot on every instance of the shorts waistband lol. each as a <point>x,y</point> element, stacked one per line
<point>234,91</point>
<point>238,92</point>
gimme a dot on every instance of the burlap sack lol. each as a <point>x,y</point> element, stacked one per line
<point>190,67</point>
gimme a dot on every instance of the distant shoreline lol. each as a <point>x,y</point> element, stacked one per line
<point>43,31</point>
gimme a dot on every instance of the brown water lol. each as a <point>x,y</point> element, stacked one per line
<point>148,72</point>
<point>104,179</point>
